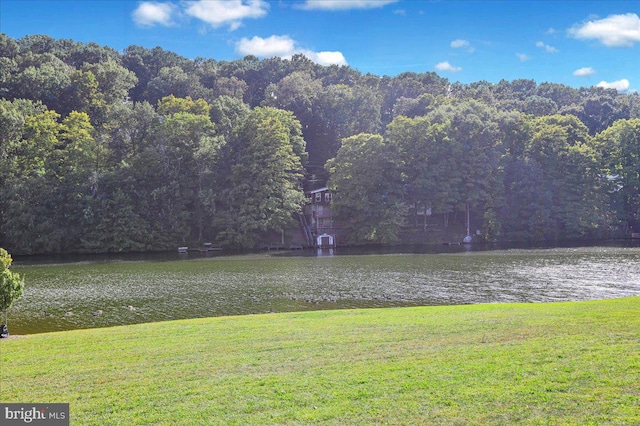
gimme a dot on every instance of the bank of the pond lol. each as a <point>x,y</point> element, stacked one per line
<point>558,363</point>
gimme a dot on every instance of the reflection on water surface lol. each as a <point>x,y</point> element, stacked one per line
<point>101,292</point>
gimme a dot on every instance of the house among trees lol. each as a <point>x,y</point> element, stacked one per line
<point>318,218</point>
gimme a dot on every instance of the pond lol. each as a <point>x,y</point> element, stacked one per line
<point>104,291</point>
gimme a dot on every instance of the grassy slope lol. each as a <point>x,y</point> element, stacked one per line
<point>564,363</point>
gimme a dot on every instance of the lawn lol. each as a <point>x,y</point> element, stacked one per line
<point>557,363</point>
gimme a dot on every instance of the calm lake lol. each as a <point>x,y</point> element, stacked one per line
<point>108,291</point>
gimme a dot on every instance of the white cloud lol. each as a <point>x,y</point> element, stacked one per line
<point>345,4</point>
<point>446,66</point>
<point>151,13</point>
<point>266,47</point>
<point>546,47</point>
<point>229,13</point>
<point>620,85</point>
<point>612,31</point>
<point>325,58</point>
<point>285,47</point>
<point>522,57</point>
<point>584,72</point>
<point>457,44</point>
<point>462,44</point>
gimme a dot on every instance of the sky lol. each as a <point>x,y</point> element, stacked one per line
<point>577,43</point>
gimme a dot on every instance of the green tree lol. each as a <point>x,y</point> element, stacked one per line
<point>341,111</point>
<point>170,105</point>
<point>563,151</point>
<point>39,138</point>
<point>11,128</point>
<point>128,130</point>
<point>8,67</point>
<point>174,81</point>
<point>37,43</point>
<point>146,65</point>
<point>227,113</point>
<point>539,106</point>
<point>620,145</point>
<point>520,89</point>
<point>526,212</point>
<point>233,87</point>
<point>476,148</point>
<point>11,285</point>
<point>561,95</point>
<point>48,171</point>
<point>114,80</point>
<point>296,93</point>
<point>184,144</point>
<point>258,77</point>
<point>263,191</point>
<point>83,94</point>
<point>427,160</point>
<point>74,170</point>
<point>600,108</point>
<point>418,107</point>
<point>408,85</point>
<point>367,189</point>
<point>78,152</point>
<point>91,53</point>
<point>9,48</point>
<point>17,167</point>
<point>113,225</point>
<point>40,78</point>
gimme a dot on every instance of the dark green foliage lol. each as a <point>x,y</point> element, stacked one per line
<point>368,191</point>
<point>114,226</point>
<point>263,188</point>
<point>620,145</point>
<point>555,189</point>
<point>145,149</point>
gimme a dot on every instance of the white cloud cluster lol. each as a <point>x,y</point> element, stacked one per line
<point>620,85</point>
<point>546,47</point>
<point>446,66</point>
<point>226,13</point>
<point>584,72</point>
<point>285,47</point>
<point>345,4</point>
<point>612,31</point>
<point>229,13</point>
<point>151,13</point>
<point>523,57</point>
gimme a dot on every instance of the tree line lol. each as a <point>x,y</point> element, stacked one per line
<point>106,151</point>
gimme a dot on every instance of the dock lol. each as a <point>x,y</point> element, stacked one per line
<point>206,247</point>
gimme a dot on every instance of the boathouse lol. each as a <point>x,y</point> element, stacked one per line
<point>325,241</point>
<point>318,218</point>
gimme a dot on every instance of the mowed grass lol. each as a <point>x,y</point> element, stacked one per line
<point>550,364</point>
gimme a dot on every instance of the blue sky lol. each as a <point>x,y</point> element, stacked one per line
<point>578,43</point>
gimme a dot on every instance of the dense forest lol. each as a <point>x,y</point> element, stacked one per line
<point>105,151</point>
